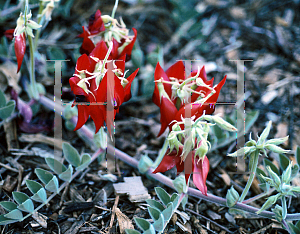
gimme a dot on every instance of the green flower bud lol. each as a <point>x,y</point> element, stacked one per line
<point>182,94</point>
<point>180,184</point>
<point>271,200</point>
<point>276,149</point>
<point>278,213</point>
<point>296,189</point>
<point>267,179</point>
<point>202,150</point>
<point>264,134</point>
<point>277,141</point>
<point>33,25</point>
<point>275,177</point>
<point>223,124</point>
<point>242,152</point>
<point>232,197</point>
<point>144,164</point>
<point>173,141</point>
<point>286,176</point>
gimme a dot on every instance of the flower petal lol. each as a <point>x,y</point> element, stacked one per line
<point>20,48</point>
<point>168,162</point>
<point>83,115</point>
<point>177,70</point>
<point>127,50</point>
<point>96,24</point>
<point>167,113</point>
<point>200,172</point>
<point>87,44</point>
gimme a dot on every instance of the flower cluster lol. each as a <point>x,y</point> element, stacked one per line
<point>91,78</point>
<point>174,92</point>
<point>105,28</point>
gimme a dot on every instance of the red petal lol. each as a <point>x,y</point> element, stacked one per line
<point>168,162</point>
<point>83,63</point>
<point>96,24</point>
<point>158,74</point>
<point>127,89</point>
<point>20,48</point>
<point>181,112</point>
<point>176,70</point>
<point>127,50</point>
<point>114,53</point>
<point>100,50</point>
<point>9,34</point>
<point>87,44</point>
<point>200,172</point>
<point>97,114</point>
<point>75,88</point>
<point>83,115</point>
<point>118,92</point>
<point>167,114</point>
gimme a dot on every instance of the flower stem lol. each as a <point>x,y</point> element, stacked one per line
<point>32,85</point>
<point>39,21</point>
<point>115,9</point>
<point>254,154</point>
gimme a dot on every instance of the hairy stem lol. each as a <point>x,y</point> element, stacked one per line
<point>33,86</point>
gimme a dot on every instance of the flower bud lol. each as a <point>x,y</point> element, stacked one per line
<point>202,150</point>
<point>275,177</point>
<point>276,149</point>
<point>278,213</point>
<point>232,197</point>
<point>223,124</point>
<point>296,189</point>
<point>173,141</point>
<point>264,134</point>
<point>286,176</point>
<point>271,200</point>
<point>277,141</point>
<point>242,152</point>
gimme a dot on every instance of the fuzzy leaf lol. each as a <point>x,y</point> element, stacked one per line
<point>85,161</point>
<point>258,172</point>
<point>297,155</point>
<point>5,221</point>
<point>71,154</point>
<point>55,165</point>
<point>27,206</point>
<point>131,231</point>
<point>142,223</point>
<point>155,204</point>
<point>53,185</point>
<point>6,111</point>
<point>159,223</point>
<point>20,197</point>
<point>295,170</point>
<point>284,161</point>
<point>154,213</point>
<point>9,206</point>
<point>162,195</point>
<point>67,175</point>
<point>39,193</point>
<point>43,175</point>
<point>168,212</point>
<point>2,99</point>
<point>14,214</point>
<point>273,167</point>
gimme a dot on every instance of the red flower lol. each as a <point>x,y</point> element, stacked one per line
<point>199,167</point>
<point>171,108</point>
<point>20,45</point>
<point>117,33</point>
<point>89,84</point>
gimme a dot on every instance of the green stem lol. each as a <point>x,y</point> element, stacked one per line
<point>254,154</point>
<point>33,86</point>
<point>284,208</point>
<point>39,20</point>
<point>115,9</point>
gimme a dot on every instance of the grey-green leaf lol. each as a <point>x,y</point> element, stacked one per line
<point>14,214</point>
<point>142,223</point>
<point>284,161</point>
<point>6,111</point>
<point>2,99</point>
<point>162,195</point>
<point>53,185</point>
<point>154,213</point>
<point>71,154</point>
<point>20,197</point>
<point>27,206</point>
<point>9,206</point>
<point>168,212</point>
<point>56,165</point>
<point>297,155</point>
<point>67,175</point>
<point>33,186</point>
<point>43,175</point>
<point>5,221</point>
<point>38,191</point>
<point>131,231</point>
<point>258,172</point>
<point>155,204</point>
<point>273,167</point>
<point>159,223</point>
<point>85,161</point>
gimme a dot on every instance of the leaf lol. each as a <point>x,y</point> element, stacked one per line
<point>258,172</point>
<point>85,161</point>
<point>184,201</point>
<point>162,195</point>
<point>67,175</point>
<point>5,221</point>
<point>55,165</point>
<point>27,206</point>
<point>154,213</point>
<point>293,228</point>
<point>14,214</point>
<point>2,99</point>
<point>168,212</point>
<point>142,223</point>
<point>38,191</point>
<point>251,117</point>
<point>9,206</point>
<point>273,167</point>
<point>6,111</point>
<point>131,231</point>
<point>43,175</point>
<point>71,154</point>
<point>297,155</point>
<point>159,223</point>
<point>20,197</point>
<point>155,204</point>
<point>53,185</point>
<point>284,161</point>
<point>295,170</point>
